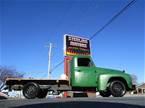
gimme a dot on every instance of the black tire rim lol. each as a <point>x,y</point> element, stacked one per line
<point>30,91</point>
<point>118,89</point>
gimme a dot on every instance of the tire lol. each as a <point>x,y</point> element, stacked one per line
<point>105,93</point>
<point>42,94</point>
<point>117,88</point>
<point>31,90</point>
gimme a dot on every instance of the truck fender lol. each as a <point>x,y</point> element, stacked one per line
<point>103,81</point>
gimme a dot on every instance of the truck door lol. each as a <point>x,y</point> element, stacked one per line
<point>84,73</point>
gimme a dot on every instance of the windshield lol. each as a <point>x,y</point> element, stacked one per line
<point>86,62</point>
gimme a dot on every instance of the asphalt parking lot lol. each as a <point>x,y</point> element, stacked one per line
<point>100,102</point>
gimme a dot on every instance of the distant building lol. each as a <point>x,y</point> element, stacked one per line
<point>140,89</point>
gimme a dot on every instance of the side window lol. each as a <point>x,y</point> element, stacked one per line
<point>86,62</point>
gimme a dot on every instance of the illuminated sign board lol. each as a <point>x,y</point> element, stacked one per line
<point>74,45</point>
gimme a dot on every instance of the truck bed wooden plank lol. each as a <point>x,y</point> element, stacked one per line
<point>22,81</point>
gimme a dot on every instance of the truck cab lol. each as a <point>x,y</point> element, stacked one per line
<point>83,72</point>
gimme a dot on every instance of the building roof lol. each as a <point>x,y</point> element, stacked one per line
<point>141,86</point>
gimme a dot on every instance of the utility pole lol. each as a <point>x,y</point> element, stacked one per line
<point>49,60</point>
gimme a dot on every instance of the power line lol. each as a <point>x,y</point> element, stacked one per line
<point>57,65</point>
<point>105,25</point>
<point>113,18</point>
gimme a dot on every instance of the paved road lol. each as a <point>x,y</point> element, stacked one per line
<point>111,102</point>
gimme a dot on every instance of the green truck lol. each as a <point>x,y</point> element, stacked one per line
<point>82,75</point>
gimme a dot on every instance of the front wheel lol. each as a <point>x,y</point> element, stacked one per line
<point>117,88</point>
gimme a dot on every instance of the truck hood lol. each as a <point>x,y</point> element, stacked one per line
<point>110,71</point>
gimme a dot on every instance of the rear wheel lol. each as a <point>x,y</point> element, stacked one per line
<point>117,88</point>
<point>31,90</point>
<point>42,94</point>
<point>105,93</point>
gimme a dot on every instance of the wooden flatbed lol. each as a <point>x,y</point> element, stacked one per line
<point>23,81</point>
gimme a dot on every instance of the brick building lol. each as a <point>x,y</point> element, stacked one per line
<point>140,89</point>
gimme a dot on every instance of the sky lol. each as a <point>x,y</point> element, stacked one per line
<point>27,26</point>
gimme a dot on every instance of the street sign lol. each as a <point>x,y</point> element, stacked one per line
<point>75,45</point>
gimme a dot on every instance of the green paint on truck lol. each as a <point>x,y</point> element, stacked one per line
<point>85,74</point>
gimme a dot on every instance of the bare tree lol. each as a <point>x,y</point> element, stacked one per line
<point>134,79</point>
<point>6,72</point>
